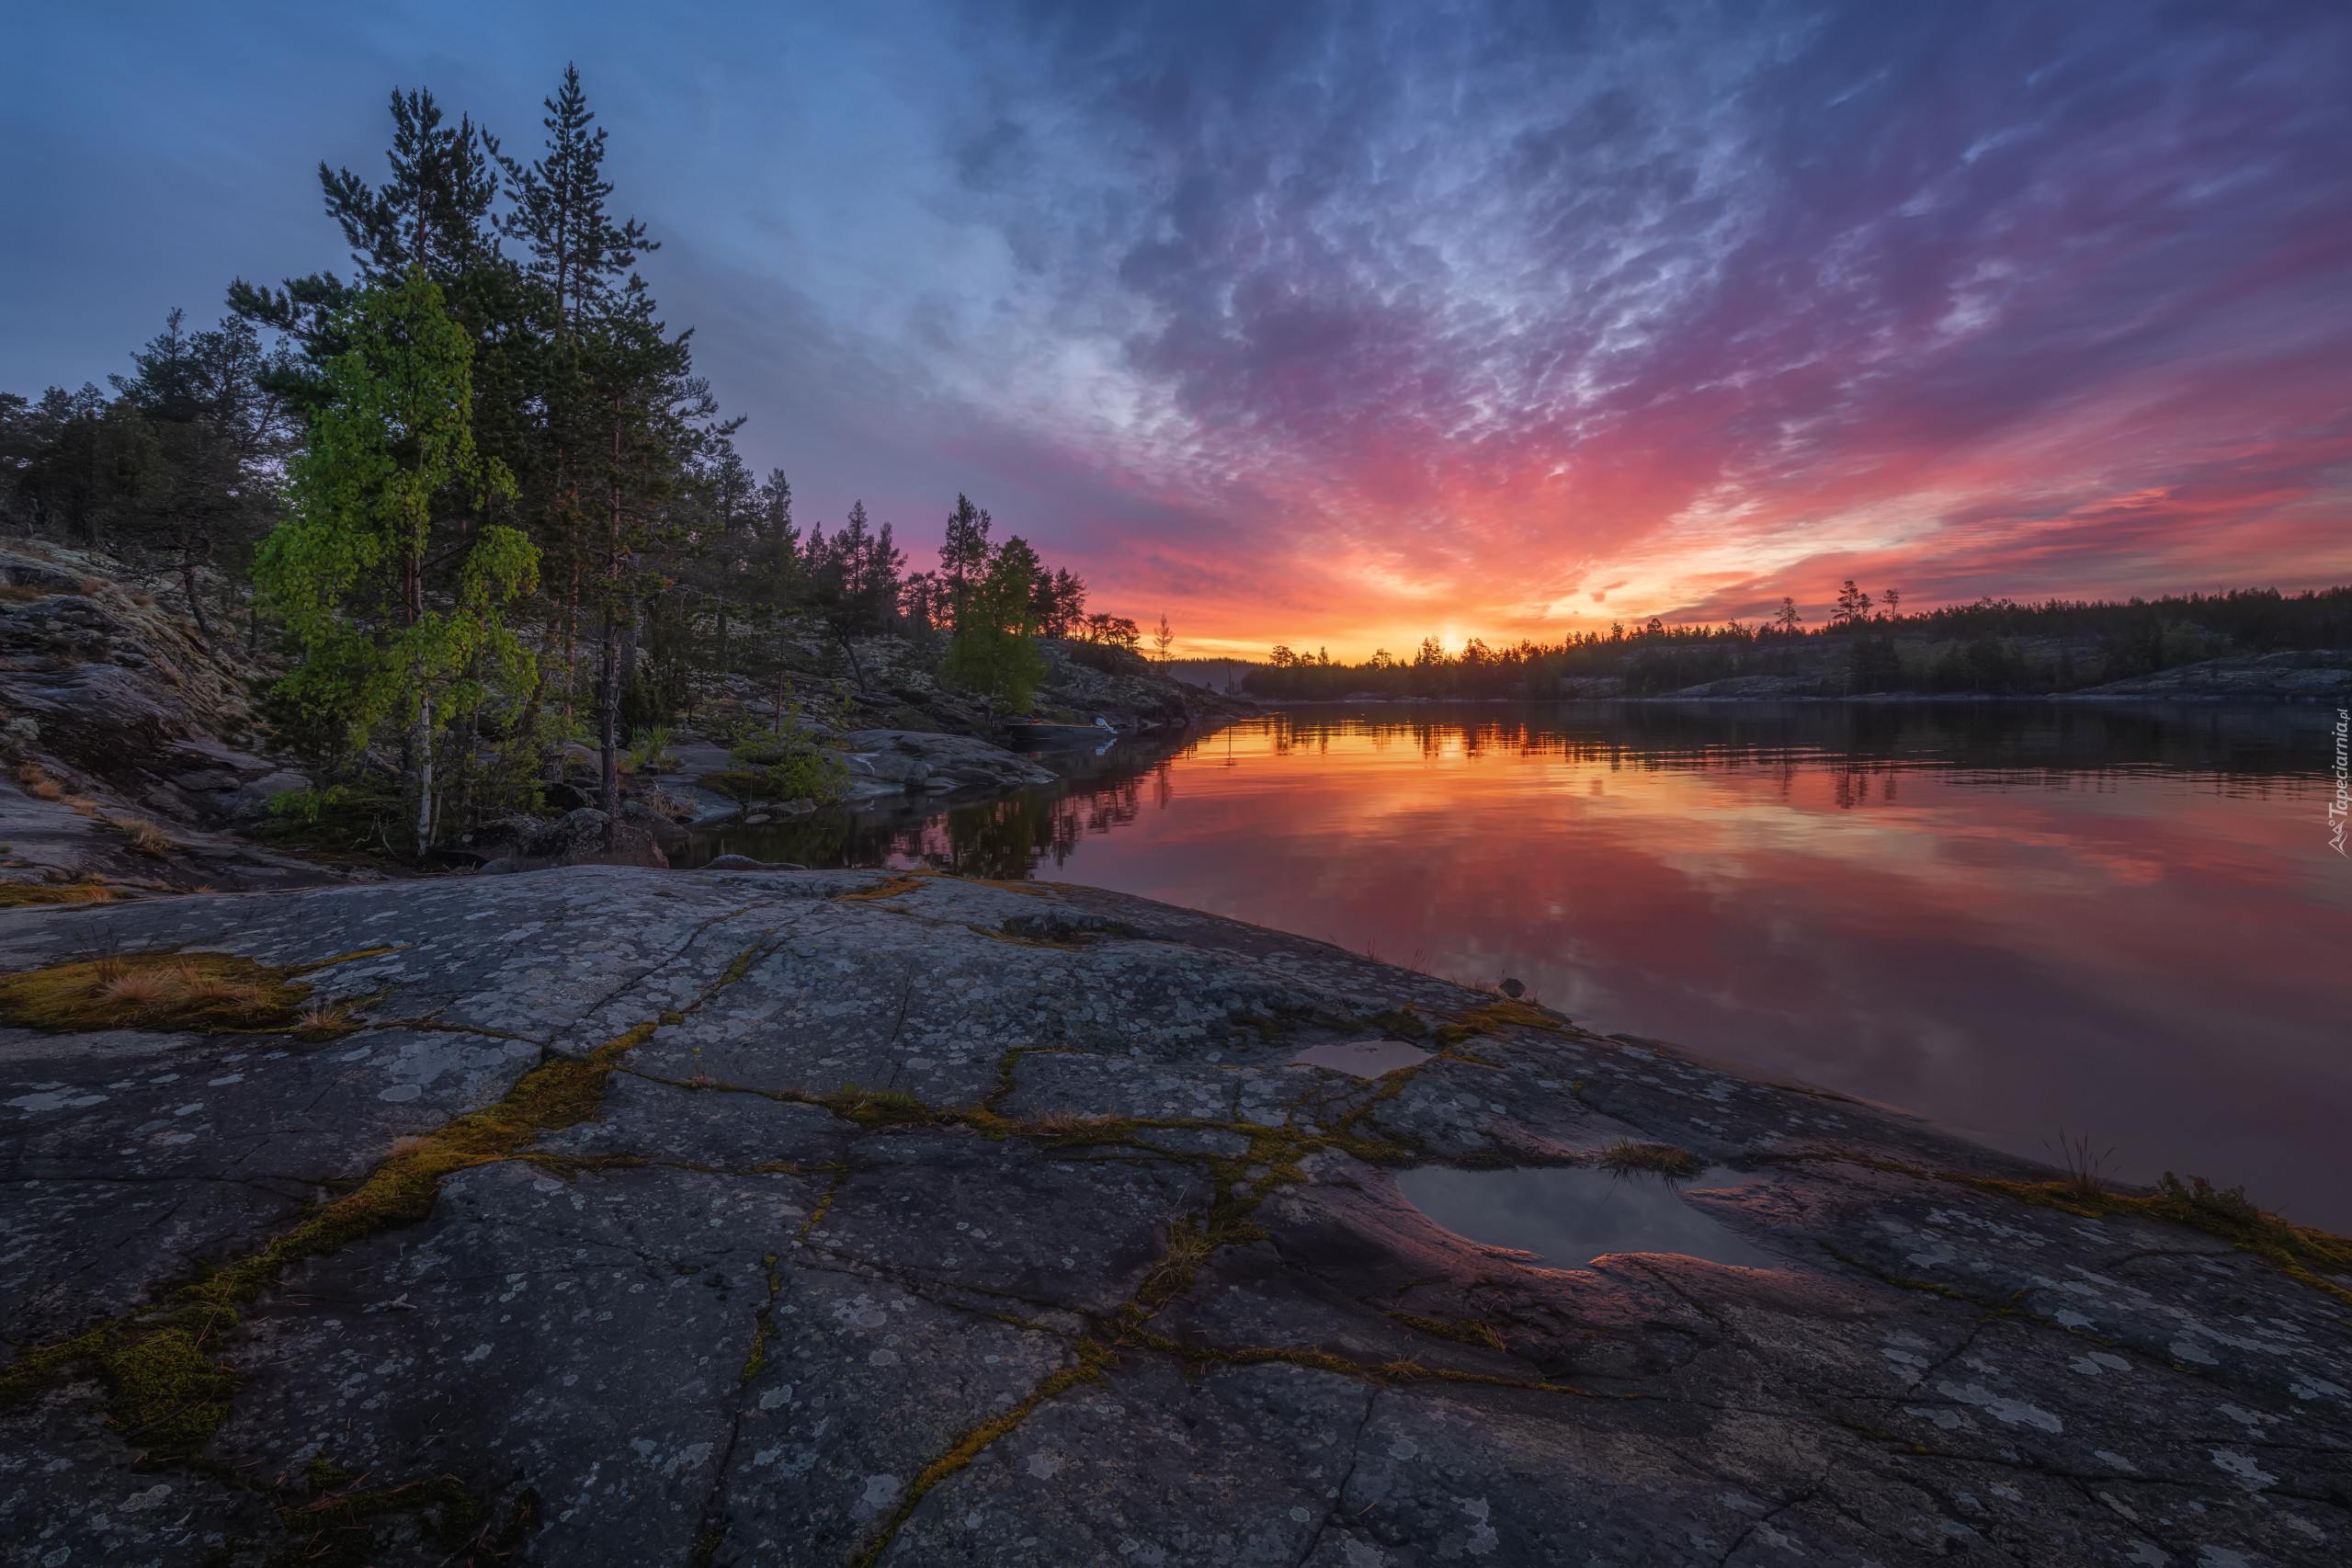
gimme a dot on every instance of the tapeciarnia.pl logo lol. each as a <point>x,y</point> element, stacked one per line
<point>2341,807</point>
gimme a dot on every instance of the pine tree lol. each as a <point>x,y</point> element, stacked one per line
<point>1853,605</point>
<point>852,582</point>
<point>576,250</point>
<point>963,554</point>
<point>995,651</point>
<point>433,214</point>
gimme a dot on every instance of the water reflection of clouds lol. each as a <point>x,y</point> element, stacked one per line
<point>2062,939</point>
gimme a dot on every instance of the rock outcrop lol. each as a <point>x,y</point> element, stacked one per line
<point>2314,675</point>
<point>926,762</point>
<point>628,1217</point>
<point>584,836</point>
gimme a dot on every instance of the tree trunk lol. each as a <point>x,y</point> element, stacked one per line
<point>424,749</point>
<point>608,720</point>
<point>195,599</point>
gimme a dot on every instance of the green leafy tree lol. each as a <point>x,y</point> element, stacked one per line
<point>995,651</point>
<point>386,570</point>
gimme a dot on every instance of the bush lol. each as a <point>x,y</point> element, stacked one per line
<point>2199,1193</point>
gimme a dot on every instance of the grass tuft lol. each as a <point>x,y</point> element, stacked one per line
<point>869,1106</point>
<point>20,895</point>
<point>152,991</point>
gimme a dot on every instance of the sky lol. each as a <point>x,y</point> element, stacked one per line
<point>1347,323</point>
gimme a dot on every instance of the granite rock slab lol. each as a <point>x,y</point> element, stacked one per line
<point>926,1221</point>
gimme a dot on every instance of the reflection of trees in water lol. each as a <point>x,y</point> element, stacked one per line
<point>1865,747</point>
<point>2245,744</point>
<point>1010,838</point>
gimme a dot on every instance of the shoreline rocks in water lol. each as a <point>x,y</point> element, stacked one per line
<point>647,1217</point>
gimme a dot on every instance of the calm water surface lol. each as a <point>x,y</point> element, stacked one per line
<point>1567,1216</point>
<point>2015,918</point>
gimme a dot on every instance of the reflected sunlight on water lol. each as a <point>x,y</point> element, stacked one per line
<point>2011,917</point>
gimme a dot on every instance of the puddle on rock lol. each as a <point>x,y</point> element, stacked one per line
<point>1568,1215</point>
<point>1363,1058</point>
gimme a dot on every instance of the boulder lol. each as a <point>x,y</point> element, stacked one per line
<point>566,797</point>
<point>662,830</point>
<point>915,760</point>
<point>578,839</point>
<point>830,1217</point>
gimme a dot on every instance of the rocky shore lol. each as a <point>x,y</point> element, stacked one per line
<point>135,760</point>
<point>606,1215</point>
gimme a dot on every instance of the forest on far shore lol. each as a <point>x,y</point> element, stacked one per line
<point>1993,647</point>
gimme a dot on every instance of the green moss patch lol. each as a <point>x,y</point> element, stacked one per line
<point>899,883</point>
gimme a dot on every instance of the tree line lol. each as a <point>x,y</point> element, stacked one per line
<point>1997,646</point>
<point>478,494</point>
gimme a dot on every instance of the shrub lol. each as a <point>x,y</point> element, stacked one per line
<point>2199,1193</point>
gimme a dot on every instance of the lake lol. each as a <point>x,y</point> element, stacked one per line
<point>2120,921</point>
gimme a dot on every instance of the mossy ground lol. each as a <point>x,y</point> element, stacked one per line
<point>2301,1251</point>
<point>164,1393</point>
<point>172,991</point>
<point>28,896</point>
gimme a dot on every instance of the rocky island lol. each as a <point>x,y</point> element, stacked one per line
<point>608,1215</point>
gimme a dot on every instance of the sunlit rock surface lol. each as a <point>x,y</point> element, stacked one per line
<point>840,1261</point>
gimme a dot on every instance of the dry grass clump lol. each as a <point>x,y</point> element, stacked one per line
<point>18,895</point>
<point>145,836</point>
<point>106,989</point>
<point>1189,1246</point>
<point>2086,1171</point>
<point>194,982</point>
<point>139,988</point>
<point>18,594</point>
<point>1626,1157</point>
<point>322,1019</point>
